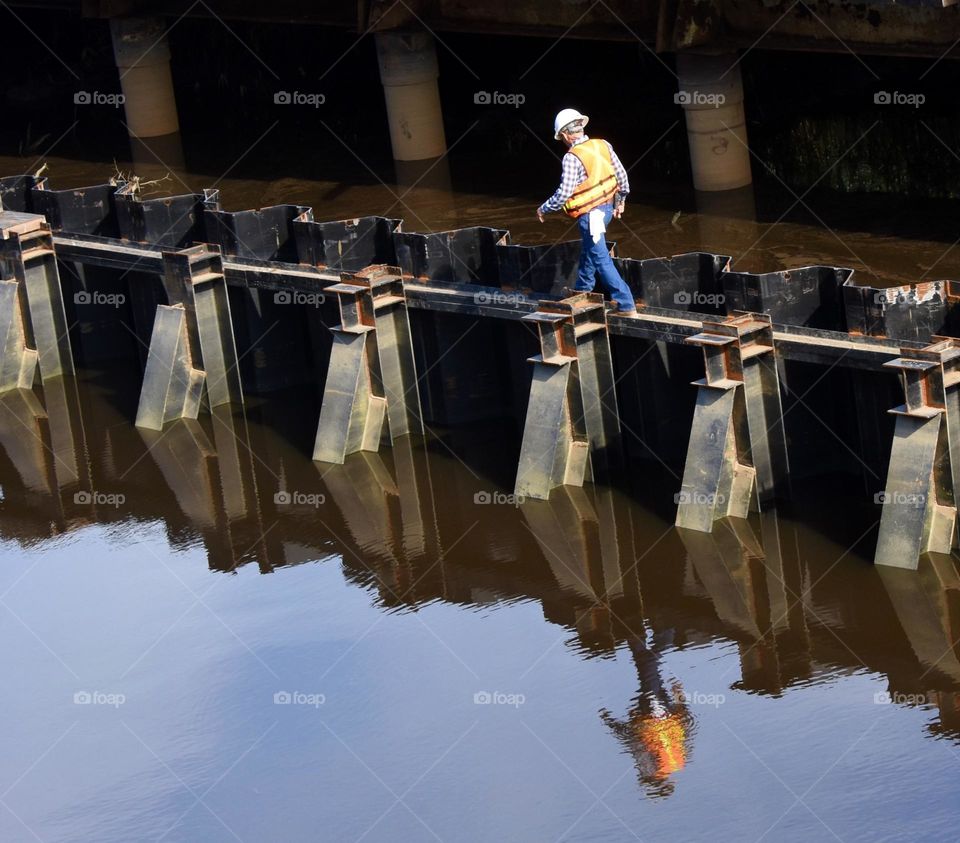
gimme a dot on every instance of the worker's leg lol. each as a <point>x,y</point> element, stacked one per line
<point>587,274</point>
<point>603,264</point>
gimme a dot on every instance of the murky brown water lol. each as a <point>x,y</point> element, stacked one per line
<point>427,660</point>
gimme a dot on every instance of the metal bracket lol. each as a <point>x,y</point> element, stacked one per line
<point>919,514</point>
<point>372,376</point>
<point>737,456</point>
<point>572,429</point>
<point>34,335</point>
<point>193,353</point>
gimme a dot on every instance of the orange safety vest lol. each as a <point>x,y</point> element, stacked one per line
<point>664,738</point>
<point>600,185</point>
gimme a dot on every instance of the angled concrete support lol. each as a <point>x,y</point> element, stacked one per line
<point>919,508</point>
<point>193,354</point>
<point>737,456</point>
<point>34,335</point>
<point>372,377</point>
<point>572,431</point>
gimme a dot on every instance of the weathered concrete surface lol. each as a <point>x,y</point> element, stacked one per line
<point>922,28</point>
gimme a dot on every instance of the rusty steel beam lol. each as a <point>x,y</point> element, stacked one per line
<point>919,505</point>
<point>371,379</point>
<point>572,429</point>
<point>737,456</point>
<point>192,361</point>
<point>35,333</point>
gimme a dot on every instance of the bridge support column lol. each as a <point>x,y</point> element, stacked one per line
<point>919,504</point>
<point>408,70</point>
<point>34,334</point>
<point>572,430</point>
<point>192,360</point>
<point>372,376</point>
<point>142,54</point>
<point>711,93</point>
<point>737,456</point>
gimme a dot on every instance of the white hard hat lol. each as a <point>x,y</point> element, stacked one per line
<point>564,118</point>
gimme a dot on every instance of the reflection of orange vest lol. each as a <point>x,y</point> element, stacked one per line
<point>600,185</point>
<point>664,738</point>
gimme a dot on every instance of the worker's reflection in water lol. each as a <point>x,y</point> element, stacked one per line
<point>658,729</point>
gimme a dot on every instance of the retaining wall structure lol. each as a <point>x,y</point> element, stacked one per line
<point>399,330</point>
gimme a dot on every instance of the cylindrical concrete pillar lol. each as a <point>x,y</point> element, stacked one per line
<point>711,93</point>
<point>143,61</point>
<point>408,70</point>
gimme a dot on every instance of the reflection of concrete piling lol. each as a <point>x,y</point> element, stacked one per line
<point>756,586</point>
<point>927,604</point>
<point>588,544</point>
<point>727,219</point>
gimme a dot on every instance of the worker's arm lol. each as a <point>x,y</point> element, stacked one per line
<point>572,176</point>
<point>623,183</point>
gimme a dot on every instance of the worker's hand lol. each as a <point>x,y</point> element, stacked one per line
<point>618,211</point>
<point>539,215</point>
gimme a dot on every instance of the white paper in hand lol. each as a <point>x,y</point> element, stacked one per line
<point>597,227</point>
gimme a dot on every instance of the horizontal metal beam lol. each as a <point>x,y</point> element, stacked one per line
<point>810,345</point>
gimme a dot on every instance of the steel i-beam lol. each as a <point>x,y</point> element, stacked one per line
<point>192,361</point>
<point>34,335</point>
<point>919,514</point>
<point>372,376</point>
<point>737,456</point>
<point>572,430</point>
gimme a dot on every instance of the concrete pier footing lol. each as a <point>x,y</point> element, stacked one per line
<point>408,70</point>
<point>711,93</point>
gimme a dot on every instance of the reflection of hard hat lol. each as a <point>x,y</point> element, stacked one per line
<point>565,118</point>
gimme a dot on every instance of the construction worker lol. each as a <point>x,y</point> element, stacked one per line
<point>592,190</point>
<point>658,728</point>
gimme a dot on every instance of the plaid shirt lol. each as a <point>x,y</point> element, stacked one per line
<point>574,172</point>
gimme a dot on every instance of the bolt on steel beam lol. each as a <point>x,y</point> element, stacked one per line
<point>737,456</point>
<point>572,429</point>
<point>34,333</point>
<point>192,362</point>
<point>372,376</point>
<point>919,503</point>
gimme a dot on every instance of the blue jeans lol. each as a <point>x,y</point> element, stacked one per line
<point>595,260</point>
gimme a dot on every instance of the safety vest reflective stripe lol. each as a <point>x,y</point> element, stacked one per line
<point>600,184</point>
